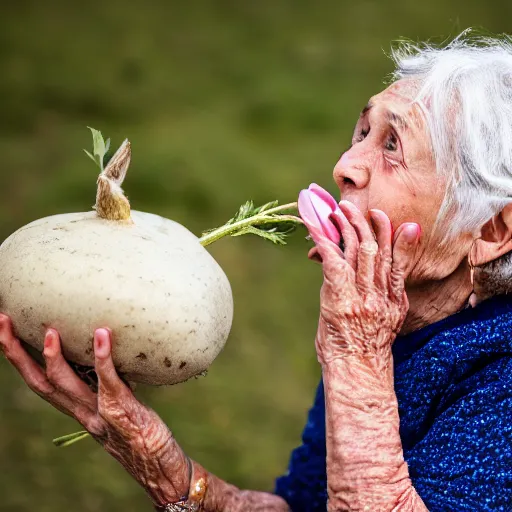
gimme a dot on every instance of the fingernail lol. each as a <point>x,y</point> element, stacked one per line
<point>411,232</point>
<point>49,343</point>
<point>100,342</point>
<point>347,205</point>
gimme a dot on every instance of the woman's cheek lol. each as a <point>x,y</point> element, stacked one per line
<point>384,194</point>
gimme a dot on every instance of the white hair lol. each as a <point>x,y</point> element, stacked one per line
<point>465,91</point>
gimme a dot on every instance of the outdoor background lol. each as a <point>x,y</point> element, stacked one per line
<point>223,101</point>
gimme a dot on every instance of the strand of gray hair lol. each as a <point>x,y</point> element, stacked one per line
<point>465,91</point>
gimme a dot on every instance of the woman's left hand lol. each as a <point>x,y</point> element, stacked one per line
<point>362,301</point>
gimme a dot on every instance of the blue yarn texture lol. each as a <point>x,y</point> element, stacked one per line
<point>453,381</point>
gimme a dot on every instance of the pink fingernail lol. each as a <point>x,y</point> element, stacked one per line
<point>100,342</point>
<point>411,232</point>
<point>49,343</point>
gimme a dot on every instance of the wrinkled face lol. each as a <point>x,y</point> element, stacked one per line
<point>390,166</point>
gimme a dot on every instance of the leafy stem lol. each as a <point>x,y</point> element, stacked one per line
<point>266,221</point>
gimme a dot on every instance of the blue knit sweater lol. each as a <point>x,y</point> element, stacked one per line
<point>453,381</point>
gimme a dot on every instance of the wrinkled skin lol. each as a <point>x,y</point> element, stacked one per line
<point>391,277</point>
<point>362,301</point>
<point>132,433</point>
<point>363,305</point>
<point>390,167</point>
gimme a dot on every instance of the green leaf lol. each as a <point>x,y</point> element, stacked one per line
<point>267,206</point>
<point>99,146</point>
<point>272,234</point>
<point>97,142</point>
<point>90,156</point>
<point>69,439</point>
<point>245,211</point>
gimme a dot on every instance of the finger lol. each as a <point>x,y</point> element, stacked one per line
<point>404,248</point>
<point>109,382</point>
<point>348,236</point>
<point>366,263</point>
<point>356,218</point>
<point>384,233</point>
<point>33,375</point>
<point>336,268</point>
<point>61,375</point>
<point>314,255</point>
<point>368,248</point>
<point>29,370</point>
<point>324,244</point>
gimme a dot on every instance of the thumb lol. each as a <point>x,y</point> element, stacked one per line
<point>108,379</point>
<point>404,248</point>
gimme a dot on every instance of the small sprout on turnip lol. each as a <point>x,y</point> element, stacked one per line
<point>100,148</point>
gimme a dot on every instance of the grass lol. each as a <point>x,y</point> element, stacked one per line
<point>223,102</point>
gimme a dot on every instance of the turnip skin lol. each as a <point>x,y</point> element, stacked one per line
<point>167,301</point>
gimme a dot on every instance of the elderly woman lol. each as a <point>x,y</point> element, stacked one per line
<point>414,411</point>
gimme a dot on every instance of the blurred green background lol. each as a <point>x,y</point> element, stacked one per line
<point>223,101</point>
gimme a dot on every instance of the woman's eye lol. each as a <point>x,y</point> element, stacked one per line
<point>392,143</point>
<point>362,134</point>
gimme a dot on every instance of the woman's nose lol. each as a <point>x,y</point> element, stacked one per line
<point>352,170</point>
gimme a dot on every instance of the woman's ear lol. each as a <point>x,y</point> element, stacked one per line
<point>495,239</point>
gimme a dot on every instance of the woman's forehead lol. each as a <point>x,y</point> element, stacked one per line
<point>402,92</point>
<point>400,100</point>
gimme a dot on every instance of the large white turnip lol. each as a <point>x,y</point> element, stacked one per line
<point>149,279</point>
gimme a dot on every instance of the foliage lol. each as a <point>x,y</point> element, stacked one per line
<point>267,221</point>
<point>100,148</point>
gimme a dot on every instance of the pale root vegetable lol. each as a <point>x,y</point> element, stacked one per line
<point>149,279</point>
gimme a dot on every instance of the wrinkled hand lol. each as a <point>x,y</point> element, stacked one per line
<point>129,431</point>
<point>363,303</point>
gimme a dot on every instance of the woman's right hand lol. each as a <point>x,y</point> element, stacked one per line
<point>131,432</point>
